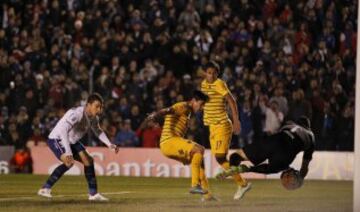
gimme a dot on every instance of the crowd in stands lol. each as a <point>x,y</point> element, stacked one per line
<point>281,59</point>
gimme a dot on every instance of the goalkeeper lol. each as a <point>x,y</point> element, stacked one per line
<point>280,149</point>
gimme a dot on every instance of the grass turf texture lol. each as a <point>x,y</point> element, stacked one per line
<point>18,193</point>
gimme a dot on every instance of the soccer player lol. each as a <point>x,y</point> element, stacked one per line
<point>220,126</point>
<point>63,141</point>
<point>173,144</point>
<point>280,149</point>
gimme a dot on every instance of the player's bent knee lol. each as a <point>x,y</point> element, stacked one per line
<point>89,161</point>
<point>235,159</point>
<point>220,158</point>
<point>69,164</point>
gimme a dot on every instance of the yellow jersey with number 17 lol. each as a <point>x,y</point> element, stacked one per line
<point>175,125</point>
<point>215,108</point>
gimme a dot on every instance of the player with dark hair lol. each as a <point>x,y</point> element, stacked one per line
<point>173,144</point>
<point>221,128</point>
<point>280,149</point>
<point>63,141</point>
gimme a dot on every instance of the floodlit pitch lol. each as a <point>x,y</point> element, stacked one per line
<point>18,193</point>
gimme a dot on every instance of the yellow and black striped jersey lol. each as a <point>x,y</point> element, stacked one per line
<point>175,124</point>
<point>215,108</point>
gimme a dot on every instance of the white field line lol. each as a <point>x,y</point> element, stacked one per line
<point>59,196</point>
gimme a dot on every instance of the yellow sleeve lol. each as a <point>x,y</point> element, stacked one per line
<point>179,108</point>
<point>221,88</point>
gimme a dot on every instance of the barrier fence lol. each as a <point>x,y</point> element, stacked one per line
<point>150,162</point>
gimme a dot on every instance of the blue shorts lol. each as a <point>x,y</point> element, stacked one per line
<point>58,148</point>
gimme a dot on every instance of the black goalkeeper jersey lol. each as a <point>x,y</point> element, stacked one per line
<point>281,148</point>
<point>304,139</point>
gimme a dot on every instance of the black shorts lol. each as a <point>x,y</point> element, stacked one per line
<point>58,148</point>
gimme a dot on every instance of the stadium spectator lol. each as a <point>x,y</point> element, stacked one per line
<point>247,132</point>
<point>3,139</point>
<point>273,116</point>
<point>21,161</point>
<point>36,139</point>
<point>126,137</point>
<point>299,106</point>
<point>136,117</point>
<point>345,129</point>
<point>326,129</point>
<point>281,100</point>
<point>149,134</point>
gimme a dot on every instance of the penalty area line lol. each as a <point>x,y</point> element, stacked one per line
<point>60,196</point>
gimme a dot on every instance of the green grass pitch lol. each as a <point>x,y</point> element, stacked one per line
<point>18,193</point>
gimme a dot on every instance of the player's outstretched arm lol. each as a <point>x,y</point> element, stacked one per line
<point>234,112</point>
<point>307,157</point>
<point>304,168</point>
<point>158,114</point>
<point>103,137</point>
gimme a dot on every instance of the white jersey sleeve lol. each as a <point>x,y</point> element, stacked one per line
<point>95,127</point>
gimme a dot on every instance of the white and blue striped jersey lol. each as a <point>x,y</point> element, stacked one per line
<point>73,126</point>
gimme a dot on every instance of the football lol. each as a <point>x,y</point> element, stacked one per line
<point>291,179</point>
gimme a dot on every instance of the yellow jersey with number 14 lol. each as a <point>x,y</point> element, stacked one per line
<point>175,125</point>
<point>215,108</point>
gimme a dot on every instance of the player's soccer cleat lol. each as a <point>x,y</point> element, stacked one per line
<point>241,191</point>
<point>226,173</point>
<point>232,171</point>
<point>45,192</point>
<point>221,175</point>
<point>197,190</point>
<point>209,198</point>
<point>97,197</point>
